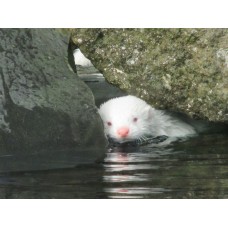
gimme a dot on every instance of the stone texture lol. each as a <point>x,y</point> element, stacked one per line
<point>42,101</point>
<point>184,70</point>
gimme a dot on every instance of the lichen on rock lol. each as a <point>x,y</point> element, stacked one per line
<point>185,70</point>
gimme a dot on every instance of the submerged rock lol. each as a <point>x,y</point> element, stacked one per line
<point>42,101</point>
<point>184,70</point>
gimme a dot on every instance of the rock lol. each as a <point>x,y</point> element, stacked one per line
<point>184,70</point>
<point>94,79</point>
<point>80,59</point>
<point>43,104</point>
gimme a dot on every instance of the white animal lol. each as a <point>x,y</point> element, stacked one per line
<point>129,118</point>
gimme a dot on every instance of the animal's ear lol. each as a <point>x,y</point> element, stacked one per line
<point>150,112</point>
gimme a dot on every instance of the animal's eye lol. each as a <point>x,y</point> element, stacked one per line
<point>135,119</point>
<point>109,123</point>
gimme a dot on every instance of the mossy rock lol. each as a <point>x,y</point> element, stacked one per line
<point>184,70</point>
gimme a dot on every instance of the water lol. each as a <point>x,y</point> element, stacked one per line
<point>193,169</point>
<point>196,168</point>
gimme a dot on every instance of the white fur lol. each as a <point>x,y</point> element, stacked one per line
<point>151,122</point>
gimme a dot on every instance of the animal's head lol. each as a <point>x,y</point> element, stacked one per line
<point>126,118</point>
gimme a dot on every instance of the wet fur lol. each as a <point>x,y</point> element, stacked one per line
<point>151,122</point>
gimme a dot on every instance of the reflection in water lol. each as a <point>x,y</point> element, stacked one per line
<point>197,168</point>
<point>133,193</point>
<point>81,182</point>
<point>191,169</point>
<point>130,166</point>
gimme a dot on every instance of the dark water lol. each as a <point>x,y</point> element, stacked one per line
<point>197,168</point>
<point>193,169</point>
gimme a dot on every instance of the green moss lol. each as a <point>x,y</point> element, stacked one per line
<point>167,67</point>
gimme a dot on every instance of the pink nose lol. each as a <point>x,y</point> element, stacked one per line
<point>123,131</point>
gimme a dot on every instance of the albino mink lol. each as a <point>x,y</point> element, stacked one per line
<point>129,118</point>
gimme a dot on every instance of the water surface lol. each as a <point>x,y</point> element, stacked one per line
<point>197,168</point>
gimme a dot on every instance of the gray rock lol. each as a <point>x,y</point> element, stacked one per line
<point>43,104</point>
<point>184,70</point>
